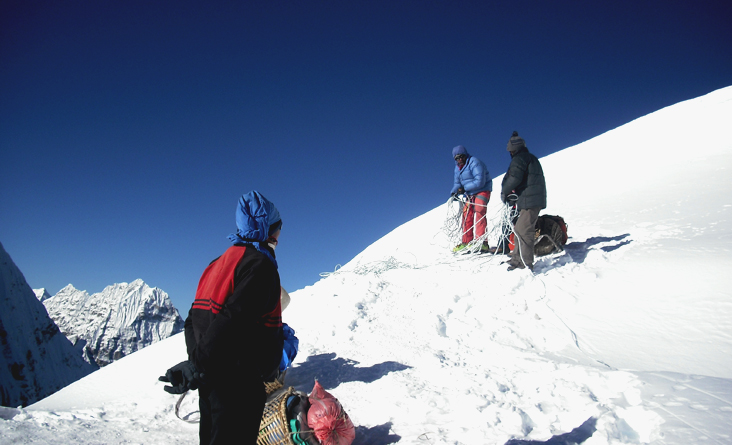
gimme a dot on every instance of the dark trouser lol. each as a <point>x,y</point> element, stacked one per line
<point>231,414</point>
<point>525,228</point>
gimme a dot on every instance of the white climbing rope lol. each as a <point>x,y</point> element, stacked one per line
<point>499,223</point>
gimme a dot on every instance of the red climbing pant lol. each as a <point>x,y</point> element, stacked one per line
<point>474,216</point>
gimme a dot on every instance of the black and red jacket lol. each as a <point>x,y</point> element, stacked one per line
<point>234,327</point>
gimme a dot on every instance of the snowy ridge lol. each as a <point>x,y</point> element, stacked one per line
<point>118,321</point>
<point>42,294</point>
<point>625,337</point>
<point>36,359</point>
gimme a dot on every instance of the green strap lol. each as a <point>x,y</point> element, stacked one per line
<point>295,428</point>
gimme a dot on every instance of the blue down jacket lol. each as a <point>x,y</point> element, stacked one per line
<point>474,177</point>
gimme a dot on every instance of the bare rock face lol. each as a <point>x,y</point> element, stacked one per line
<point>36,360</point>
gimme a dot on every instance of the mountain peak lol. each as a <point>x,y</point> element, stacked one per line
<point>69,289</point>
<point>122,319</point>
<point>42,294</point>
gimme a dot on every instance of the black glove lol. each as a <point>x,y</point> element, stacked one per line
<point>460,191</point>
<point>182,377</point>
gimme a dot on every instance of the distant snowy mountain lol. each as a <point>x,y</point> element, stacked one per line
<point>42,294</point>
<point>116,322</point>
<point>35,359</point>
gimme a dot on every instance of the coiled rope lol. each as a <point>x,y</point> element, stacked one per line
<point>499,223</point>
<point>499,226</point>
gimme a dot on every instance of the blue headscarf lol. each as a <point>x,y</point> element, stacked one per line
<point>256,219</point>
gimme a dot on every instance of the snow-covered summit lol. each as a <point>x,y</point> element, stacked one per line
<point>654,197</point>
<point>630,326</point>
<point>118,321</point>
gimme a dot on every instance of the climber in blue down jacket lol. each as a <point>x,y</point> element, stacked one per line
<point>473,180</point>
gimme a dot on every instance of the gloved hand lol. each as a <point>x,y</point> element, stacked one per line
<point>460,191</point>
<point>510,200</point>
<point>182,377</point>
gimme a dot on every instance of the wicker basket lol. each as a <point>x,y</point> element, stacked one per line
<point>273,386</point>
<point>274,429</point>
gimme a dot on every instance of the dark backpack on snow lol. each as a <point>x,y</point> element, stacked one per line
<point>551,235</point>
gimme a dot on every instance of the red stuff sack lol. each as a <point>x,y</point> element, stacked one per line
<point>328,420</point>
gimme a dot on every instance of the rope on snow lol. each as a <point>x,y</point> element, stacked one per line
<point>374,267</point>
<point>499,227</point>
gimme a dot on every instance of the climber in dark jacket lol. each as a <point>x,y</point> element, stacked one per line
<point>234,332</point>
<point>525,180</point>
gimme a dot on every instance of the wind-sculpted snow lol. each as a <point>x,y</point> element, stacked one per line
<point>624,337</point>
<point>118,321</point>
<point>36,359</point>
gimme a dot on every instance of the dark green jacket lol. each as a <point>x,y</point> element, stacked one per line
<point>525,178</point>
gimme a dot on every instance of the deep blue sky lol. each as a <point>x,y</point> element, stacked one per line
<point>128,130</point>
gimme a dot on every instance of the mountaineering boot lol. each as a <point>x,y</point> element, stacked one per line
<point>459,247</point>
<point>485,248</point>
<point>512,265</point>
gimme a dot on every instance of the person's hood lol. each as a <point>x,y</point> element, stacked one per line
<point>256,219</point>
<point>255,215</point>
<point>460,150</point>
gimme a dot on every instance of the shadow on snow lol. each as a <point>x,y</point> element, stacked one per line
<point>576,252</point>
<point>579,250</point>
<point>331,372</point>
<point>377,435</point>
<point>576,436</point>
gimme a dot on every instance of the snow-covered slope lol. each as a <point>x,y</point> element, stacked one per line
<point>118,321</point>
<point>631,325</point>
<point>35,359</point>
<point>624,337</point>
<point>649,211</point>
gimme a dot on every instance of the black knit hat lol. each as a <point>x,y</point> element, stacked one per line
<point>516,143</point>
